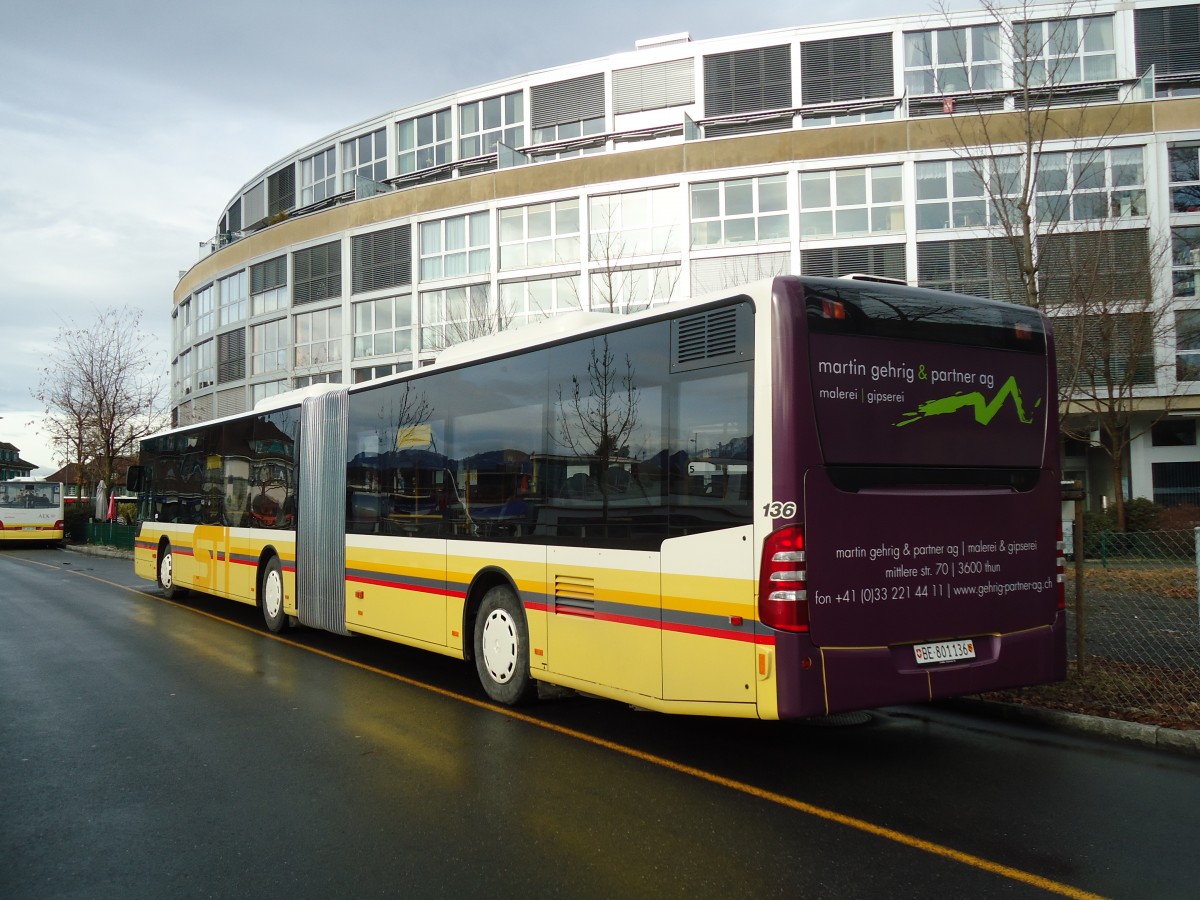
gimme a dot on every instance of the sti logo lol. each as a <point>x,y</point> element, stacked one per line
<point>985,410</point>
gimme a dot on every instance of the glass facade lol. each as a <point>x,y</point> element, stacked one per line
<point>865,170</point>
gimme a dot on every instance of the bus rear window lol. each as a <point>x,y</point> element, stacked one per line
<point>833,306</point>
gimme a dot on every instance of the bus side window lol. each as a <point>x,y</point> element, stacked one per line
<point>711,465</point>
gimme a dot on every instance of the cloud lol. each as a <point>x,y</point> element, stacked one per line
<point>126,126</point>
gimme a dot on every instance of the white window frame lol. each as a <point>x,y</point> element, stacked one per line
<point>1185,261</point>
<point>205,300</point>
<point>187,372</point>
<point>954,193</point>
<point>1065,51</point>
<point>383,327</point>
<point>269,347</point>
<point>633,288</point>
<point>534,299</point>
<point>1189,154</point>
<point>456,246</point>
<point>318,176</point>
<point>206,364</point>
<point>317,337</point>
<point>882,209</point>
<point>424,142</point>
<point>438,310</point>
<point>484,123</point>
<point>231,298</point>
<point>355,163</point>
<point>634,224</point>
<point>265,389</point>
<point>541,234</point>
<point>953,60</point>
<point>739,211</point>
<point>1068,183</point>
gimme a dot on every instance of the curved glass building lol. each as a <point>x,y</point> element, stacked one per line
<point>684,167</point>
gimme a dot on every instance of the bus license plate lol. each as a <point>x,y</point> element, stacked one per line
<point>944,651</point>
<point>29,528</point>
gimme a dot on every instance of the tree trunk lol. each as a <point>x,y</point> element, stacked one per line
<point>1117,458</point>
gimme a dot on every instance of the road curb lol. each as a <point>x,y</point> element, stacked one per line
<point>94,550</point>
<point>1174,740</point>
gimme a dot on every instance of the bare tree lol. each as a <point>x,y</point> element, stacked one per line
<point>598,412</point>
<point>460,314</point>
<point>1001,132</point>
<point>1109,329</point>
<point>1036,166</point>
<point>102,392</point>
<point>617,285</point>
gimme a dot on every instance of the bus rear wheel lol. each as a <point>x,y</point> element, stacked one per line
<point>166,572</point>
<point>502,648</point>
<point>270,596</point>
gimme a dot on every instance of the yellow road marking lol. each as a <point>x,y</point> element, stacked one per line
<point>828,815</point>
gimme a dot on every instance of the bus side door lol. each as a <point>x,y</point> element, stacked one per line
<point>210,550</point>
<point>708,588</point>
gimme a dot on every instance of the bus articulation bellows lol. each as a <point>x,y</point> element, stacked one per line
<point>804,497</point>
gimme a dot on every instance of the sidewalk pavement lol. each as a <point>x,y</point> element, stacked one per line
<point>1153,736</point>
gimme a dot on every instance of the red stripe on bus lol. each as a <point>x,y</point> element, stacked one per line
<point>445,592</point>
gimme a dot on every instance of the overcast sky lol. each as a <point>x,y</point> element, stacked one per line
<point>126,125</point>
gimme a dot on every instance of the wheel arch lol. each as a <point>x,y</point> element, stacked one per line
<point>264,556</point>
<point>485,579</point>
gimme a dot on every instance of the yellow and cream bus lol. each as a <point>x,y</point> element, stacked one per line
<point>31,510</point>
<point>807,496</point>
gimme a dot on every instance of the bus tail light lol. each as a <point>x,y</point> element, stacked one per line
<point>1061,570</point>
<point>58,525</point>
<point>783,583</point>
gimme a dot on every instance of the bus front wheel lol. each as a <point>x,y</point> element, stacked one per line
<point>502,648</point>
<point>166,572</point>
<point>270,596</point>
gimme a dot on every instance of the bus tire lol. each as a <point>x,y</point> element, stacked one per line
<point>502,648</point>
<point>270,596</point>
<point>166,573</point>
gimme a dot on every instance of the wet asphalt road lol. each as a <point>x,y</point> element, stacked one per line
<point>152,749</point>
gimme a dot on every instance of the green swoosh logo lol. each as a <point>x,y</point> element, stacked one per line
<point>985,410</point>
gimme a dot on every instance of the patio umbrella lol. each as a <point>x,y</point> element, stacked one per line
<point>101,499</point>
<point>112,507</point>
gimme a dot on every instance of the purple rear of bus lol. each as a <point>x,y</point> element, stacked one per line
<point>915,432</point>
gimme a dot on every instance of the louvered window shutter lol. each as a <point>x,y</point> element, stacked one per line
<point>318,273</point>
<point>1168,38</point>
<point>281,190</point>
<point>852,68</point>
<point>231,356</point>
<point>256,204</point>
<point>748,81</point>
<point>267,276</point>
<point>567,101</point>
<point>654,87</point>
<point>984,267</point>
<point>886,260</point>
<point>382,259</point>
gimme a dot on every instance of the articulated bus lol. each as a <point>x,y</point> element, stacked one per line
<point>31,510</point>
<point>805,497</point>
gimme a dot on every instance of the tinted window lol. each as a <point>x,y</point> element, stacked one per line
<point>591,442</point>
<point>239,473</point>
<point>886,311</point>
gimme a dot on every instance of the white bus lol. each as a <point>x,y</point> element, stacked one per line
<point>31,510</point>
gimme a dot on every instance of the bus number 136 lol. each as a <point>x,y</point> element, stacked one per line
<point>777,509</point>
